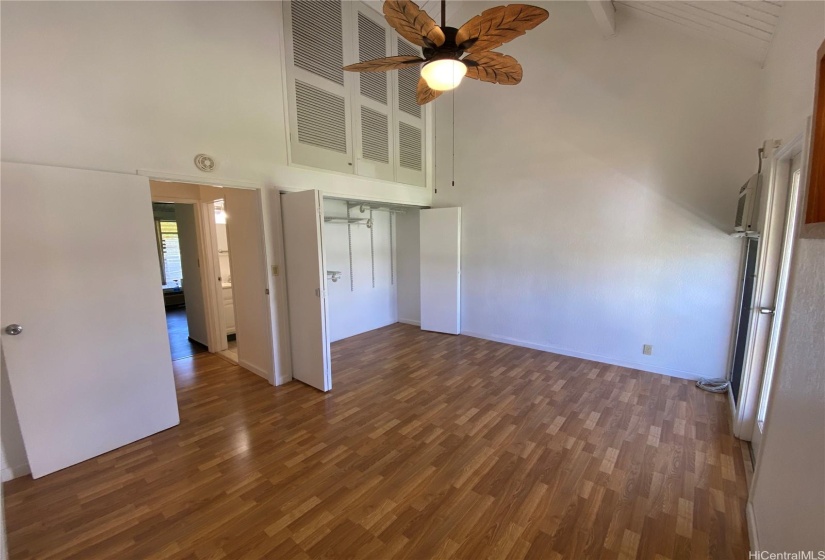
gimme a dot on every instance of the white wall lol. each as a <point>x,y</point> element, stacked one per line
<point>360,306</point>
<point>408,265</point>
<point>148,85</point>
<point>788,492</point>
<point>597,195</point>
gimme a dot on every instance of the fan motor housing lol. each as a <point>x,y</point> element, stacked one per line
<point>449,49</point>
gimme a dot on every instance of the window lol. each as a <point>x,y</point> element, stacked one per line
<point>366,124</point>
<point>171,272</point>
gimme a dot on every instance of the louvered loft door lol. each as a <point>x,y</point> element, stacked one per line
<point>319,115</point>
<point>372,105</point>
<point>408,127</point>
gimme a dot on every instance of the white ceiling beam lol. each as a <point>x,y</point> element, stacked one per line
<point>605,14</point>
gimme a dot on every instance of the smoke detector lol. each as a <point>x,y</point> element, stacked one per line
<point>205,163</point>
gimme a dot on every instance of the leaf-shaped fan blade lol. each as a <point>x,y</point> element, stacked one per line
<point>384,64</point>
<point>425,94</point>
<point>412,23</point>
<point>493,67</point>
<point>499,25</point>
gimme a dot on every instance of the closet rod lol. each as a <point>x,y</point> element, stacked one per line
<point>363,207</point>
<point>356,221</point>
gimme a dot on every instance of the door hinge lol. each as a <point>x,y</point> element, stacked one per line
<point>266,291</point>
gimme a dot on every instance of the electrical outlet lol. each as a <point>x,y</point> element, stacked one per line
<point>647,349</point>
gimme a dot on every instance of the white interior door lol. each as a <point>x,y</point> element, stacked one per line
<point>777,309</point>
<point>250,290</point>
<point>90,370</point>
<point>185,217</point>
<point>306,288</point>
<point>441,270</point>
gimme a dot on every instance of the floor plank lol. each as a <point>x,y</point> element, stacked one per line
<point>429,446</point>
<point>177,328</point>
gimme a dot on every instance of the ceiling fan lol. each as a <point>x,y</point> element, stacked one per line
<point>443,47</point>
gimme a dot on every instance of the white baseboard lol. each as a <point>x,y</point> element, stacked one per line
<point>410,322</point>
<point>11,472</point>
<point>255,369</point>
<point>732,407</point>
<point>586,356</point>
<point>753,534</point>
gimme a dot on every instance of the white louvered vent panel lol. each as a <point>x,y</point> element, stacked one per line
<point>321,118</point>
<point>317,37</point>
<point>372,43</point>
<point>409,142</point>
<point>408,82</point>
<point>375,135</point>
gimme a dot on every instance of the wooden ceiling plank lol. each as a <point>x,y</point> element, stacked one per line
<point>774,8</point>
<point>751,48</point>
<point>722,11</point>
<point>703,18</point>
<point>743,11</point>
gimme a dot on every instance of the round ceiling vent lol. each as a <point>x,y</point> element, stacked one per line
<point>205,163</point>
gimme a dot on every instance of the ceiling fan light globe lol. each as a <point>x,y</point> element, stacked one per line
<point>444,74</point>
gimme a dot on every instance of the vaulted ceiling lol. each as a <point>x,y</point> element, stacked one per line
<point>746,27</point>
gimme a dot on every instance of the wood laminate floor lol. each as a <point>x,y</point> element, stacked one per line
<point>177,328</point>
<point>429,446</point>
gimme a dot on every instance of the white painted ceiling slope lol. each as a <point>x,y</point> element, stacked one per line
<point>747,27</point>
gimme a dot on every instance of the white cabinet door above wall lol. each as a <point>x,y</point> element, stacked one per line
<point>364,123</point>
<point>319,114</point>
<point>408,127</point>
<point>372,106</point>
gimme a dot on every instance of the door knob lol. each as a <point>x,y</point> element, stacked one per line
<point>14,329</point>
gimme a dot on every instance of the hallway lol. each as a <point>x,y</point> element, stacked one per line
<point>179,342</point>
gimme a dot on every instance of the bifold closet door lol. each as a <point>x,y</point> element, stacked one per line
<point>250,291</point>
<point>441,270</point>
<point>89,364</point>
<point>306,288</point>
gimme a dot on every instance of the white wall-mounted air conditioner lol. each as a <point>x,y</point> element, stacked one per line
<point>747,211</point>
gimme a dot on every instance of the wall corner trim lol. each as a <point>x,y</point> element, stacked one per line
<point>11,472</point>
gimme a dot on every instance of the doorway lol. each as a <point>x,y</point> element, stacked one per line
<point>781,213</point>
<point>231,271</point>
<point>177,245</point>
<point>227,315</point>
<point>793,177</point>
